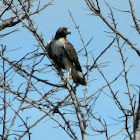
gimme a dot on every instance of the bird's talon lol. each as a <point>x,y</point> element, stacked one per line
<point>67,82</point>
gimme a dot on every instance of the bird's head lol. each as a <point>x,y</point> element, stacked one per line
<point>62,32</point>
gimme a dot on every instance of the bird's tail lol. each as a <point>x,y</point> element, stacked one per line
<point>78,77</point>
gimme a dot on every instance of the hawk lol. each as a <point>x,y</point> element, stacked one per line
<point>64,56</point>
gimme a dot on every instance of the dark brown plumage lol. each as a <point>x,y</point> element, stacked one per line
<point>65,57</point>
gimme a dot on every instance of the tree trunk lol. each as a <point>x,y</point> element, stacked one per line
<point>137,123</point>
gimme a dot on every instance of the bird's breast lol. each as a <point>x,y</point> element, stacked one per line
<point>67,64</point>
<point>57,46</point>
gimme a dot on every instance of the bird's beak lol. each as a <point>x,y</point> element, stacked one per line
<point>68,31</point>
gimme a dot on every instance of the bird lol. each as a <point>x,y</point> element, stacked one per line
<point>64,56</point>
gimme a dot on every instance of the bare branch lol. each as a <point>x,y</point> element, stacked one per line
<point>134,17</point>
<point>112,28</point>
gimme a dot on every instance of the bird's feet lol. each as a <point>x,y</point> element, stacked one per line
<point>67,82</point>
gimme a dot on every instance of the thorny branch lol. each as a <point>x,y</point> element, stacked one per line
<point>91,5</point>
<point>70,110</point>
<point>94,7</point>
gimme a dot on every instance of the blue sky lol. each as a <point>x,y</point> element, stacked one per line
<point>57,15</point>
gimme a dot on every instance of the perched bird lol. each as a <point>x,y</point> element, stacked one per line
<point>64,56</point>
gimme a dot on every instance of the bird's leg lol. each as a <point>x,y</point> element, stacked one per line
<point>67,80</point>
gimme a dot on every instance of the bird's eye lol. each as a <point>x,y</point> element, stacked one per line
<point>65,29</point>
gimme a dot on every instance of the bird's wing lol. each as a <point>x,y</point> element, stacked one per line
<point>48,48</point>
<point>72,56</point>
